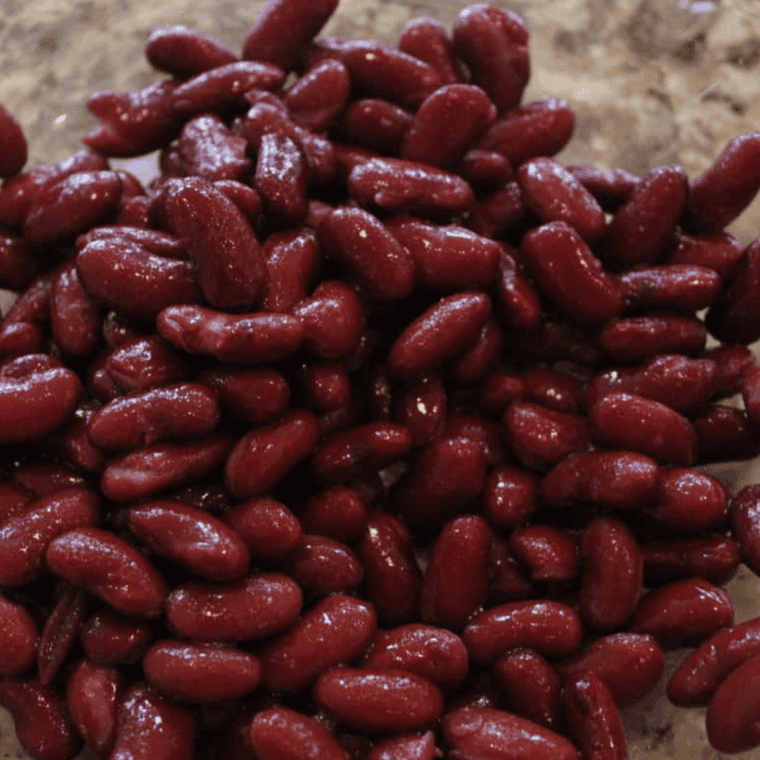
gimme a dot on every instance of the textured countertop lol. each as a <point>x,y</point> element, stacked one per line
<point>652,81</point>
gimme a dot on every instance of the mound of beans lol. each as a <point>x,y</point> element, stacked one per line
<point>367,430</point>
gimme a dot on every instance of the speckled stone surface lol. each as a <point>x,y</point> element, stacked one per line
<point>652,82</point>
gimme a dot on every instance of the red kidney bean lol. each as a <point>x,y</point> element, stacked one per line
<point>360,451</point>
<point>43,479</point>
<point>540,128</point>
<point>714,558</point>
<point>141,364</point>
<point>336,631</point>
<point>144,472</point>
<point>147,283</point>
<point>268,528</point>
<point>149,726</point>
<point>691,501</point>
<point>436,654</point>
<point>553,194</point>
<point>396,185</point>
<point>317,98</point>
<point>110,568</point>
<point>476,360</point>
<point>509,496</point>
<point>262,457</point>
<point>42,723</point>
<point>699,675</point>
<point>438,334</point>
<point>230,266</point>
<point>539,437</point>
<point>322,566</point>
<point>628,421</point>
<point>448,477</point>
<point>257,396</point>
<point>611,188</point>
<point>109,639</point>
<point>613,574</point>
<point>25,536</point>
<point>745,524</point>
<point>446,124</point>
<point>508,578</point>
<point>239,338</point>
<point>19,338</point>
<point>455,583</point>
<point>74,317</point>
<point>551,388</point>
<point>326,387</point>
<point>551,554</point>
<point>379,701</point>
<point>13,146</point>
<point>189,537</point>
<point>493,43</point>
<point>500,213</point>
<point>17,265</point>
<point>13,498</point>
<point>721,193</point>
<point>486,733</point>
<point>420,406</point>
<point>18,639</point>
<point>594,719</point>
<point>517,296</point>
<point>183,410</point>
<point>375,124</point>
<point>391,576</point>
<point>279,733</point>
<point>183,52</point>
<point>483,432</point>
<point>427,39</point>
<point>570,275</point>
<point>720,252</point>
<point>731,718</point>
<point>683,613</point>
<point>281,177</point>
<point>60,632</point>
<point>672,286</point>
<point>244,197</point>
<point>630,664</point>
<point>254,607</point>
<point>531,686</point>
<point>207,149</point>
<point>93,693</point>
<point>751,393</point>
<point>198,672</point>
<point>550,628</point>
<point>292,258</point>
<point>414,747</point>
<point>646,222</point>
<point>484,168</point>
<point>725,434</point>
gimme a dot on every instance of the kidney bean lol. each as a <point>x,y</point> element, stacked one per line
<point>672,286</point>
<point>317,98</point>
<point>74,318</point>
<point>380,701</point>
<point>338,512</point>
<point>391,576</point>
<point>13,499</point>
<point>17,265</point>
<point>336,631</point>
<point>725,434</point>
<point>486,733</point>
<point>508,579</point>
<point>396,185</point>
<point>476,360</point>
<point>281,177</point>
<point>292,259</point>
<point>60,632</point>
<point>594,719</point>
<point>714,558</point>
<point>42,479</point>
<point>141,364</point>
<point>628,421</point>
<point>539,437</point>
<point>438,334</point>
<point>207,149</point>
<point>42,724</point>
<point>427,39</point>
<point>93,693</point>
<point>570,275</point>
<point>551,388</point>
<point>149,726</point>
<point>484,168</point>
<point>531,686</point>
<point>25,536</point>
<point>263,456</point>
<point>414,747</point>
<point>551,554</point>
<point>144,472</point>
<point>326,387</point>
<point>279,733</point>
<point>691,501</point>
<point>540,128</point>
<point>483,432</point>
<point>613,574</point>
<point>257,396</point>
<point>721,193</point>
<point>13,146</point>
<point>245,198</point>
<point>18,639</point>
<point>509,496</point>
<point>745,523</point>
<point>720,252</point>
<point>268,528</point>
<point>550,628</point>
<point>183,52</point>
<point>630,664</point>
<point>322,566</point>
<point>109,639</point>
<point>446,123</point>
<point>517,296</point>
<point>732,712</point>
<point>420,406</point>
<point>611,188</point>
<point>375,124</point>
<point>751,393</point>
<point>501,213</point>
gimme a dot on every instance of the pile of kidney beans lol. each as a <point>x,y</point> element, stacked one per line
<point>368,430</point>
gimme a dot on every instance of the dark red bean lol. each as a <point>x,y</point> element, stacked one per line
<point>141,364</point>
<point>336,631</point>
<point>489,734</point>
<point>517,296</point>
<point>484,168</point>
<point>257,396</point>
<point>714,558</point>
<point>551,554</point>
<point>322,566</point>
<point>207,149</point>
<point>745,522</point>
<point>12,145</point>
<point>255,607</point>
<point>721,252</point>
<point>501,213</point>
<point>530,685</point>
<point>671,286</point>
<point>482,354</point>
<point>421,408</point>
<point>17,266</point>
<point>726,434</point>
<point>74,317</point>
<point>379,701</point>
<point>375,124</point>
<point>319,95</point>
<point>18,639</point>
<point>628,421</point>
<point>109,639</point>
<point>414,747</point>
<point>60,632</point>
<point>691,501</point>
<point>183,52</point>
<point>509,496</point>
<point>551,388</point>
<point>630,664</point>
<point>281,178</point>
<point>486,433</point>
<point>731,718</point>
<point>268,528</point>
<point>508,578</point>
<point>427,39</point>
<point>326,387</point>
<point>611,188</point>
<point>292,259</point>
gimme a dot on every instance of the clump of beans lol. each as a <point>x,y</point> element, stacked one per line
<point>367,430</point>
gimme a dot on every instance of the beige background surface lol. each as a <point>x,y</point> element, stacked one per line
<point>652,82</point>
